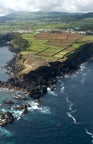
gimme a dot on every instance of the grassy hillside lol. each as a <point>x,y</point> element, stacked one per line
<point>46,35</point>
<point>54,45</point>
<point>47,46</point>
<point>35,15</point>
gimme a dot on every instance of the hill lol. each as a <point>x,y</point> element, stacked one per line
<point>37,15</point>
<point>86,15</point>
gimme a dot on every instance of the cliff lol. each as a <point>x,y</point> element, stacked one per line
<point>36,82</point>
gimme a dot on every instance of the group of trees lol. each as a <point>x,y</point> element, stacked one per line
<point>15,39</point>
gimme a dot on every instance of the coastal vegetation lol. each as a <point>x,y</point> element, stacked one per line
<point>52,46</point>
<point>15,40</point>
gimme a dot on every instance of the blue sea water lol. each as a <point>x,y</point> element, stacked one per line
<point>65,115</point>
<point>5,56</point>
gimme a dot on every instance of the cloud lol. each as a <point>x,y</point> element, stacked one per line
<point>7,6</point>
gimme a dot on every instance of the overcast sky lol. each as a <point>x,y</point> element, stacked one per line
<point>7,6</point>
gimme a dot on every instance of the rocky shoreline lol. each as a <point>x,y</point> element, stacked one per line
<point>35,83</point>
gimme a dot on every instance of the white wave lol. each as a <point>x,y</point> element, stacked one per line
<point>70,108</point>
<point>51,92</point>
<point>36,106</point>
<point>4,132</point>
<point>33,104</point>
<point>67,76</point>
<point>68,101</point>
<point>70,105</point>
<point>77,72</point>
<point>74,76</point>
<point>17,114</point>
<point>90,134</point>
<point>59,77</point>
<point>45,110</point>
<point>4,89</point>
<point>59,81</point>
<point>71,111</point>
<point>62,88</point>
<point>73,118</point>
<point>82,67</point>
<point>48,89</point>
<point>3,110</point>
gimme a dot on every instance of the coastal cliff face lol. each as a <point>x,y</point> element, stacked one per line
<point>80,56</point>
<point>36,82</point>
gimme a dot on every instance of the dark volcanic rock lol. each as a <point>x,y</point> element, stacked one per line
<point>45,76</point>
<point>36,82</point>
<point>6,118</point>
<point>9,102</point>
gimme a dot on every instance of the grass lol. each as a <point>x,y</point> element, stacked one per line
<point>61,54</point>
<point>54,45</point>
<point>50,25</point>
<point>87,38</point>
<point>76,45</point>
<point>46,48</point>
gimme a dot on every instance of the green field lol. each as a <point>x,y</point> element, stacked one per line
<point>49,35</point>
<point>64,43</point>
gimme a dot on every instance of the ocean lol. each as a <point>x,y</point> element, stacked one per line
<point>65,115</point>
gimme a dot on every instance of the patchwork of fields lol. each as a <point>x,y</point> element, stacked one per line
<point>54,45</point>
<point>46,47</point>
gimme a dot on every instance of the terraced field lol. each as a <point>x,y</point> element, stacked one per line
<point>54,45</point>
<point>46,46</point>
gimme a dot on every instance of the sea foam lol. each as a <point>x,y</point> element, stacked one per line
<point>71,111</point>
<point>90,134</point>
<point>70,105</point>
<point>36,107</point>
<point>73,118</point>
<point>82,67</point>
<point>51,92</point>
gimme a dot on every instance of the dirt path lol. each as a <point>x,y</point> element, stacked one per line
<point>33,62</point>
